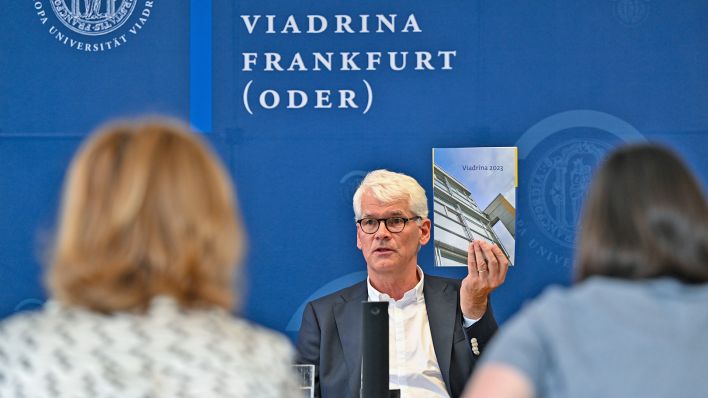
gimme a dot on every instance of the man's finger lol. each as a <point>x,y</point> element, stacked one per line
<point>503,262</point>
<point>492,262</point>
<point>471,260</point>
<point>472,265</point>
<point>482,266</point>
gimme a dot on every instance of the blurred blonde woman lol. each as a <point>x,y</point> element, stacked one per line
<point>634,325</point>
<point>141,281</point>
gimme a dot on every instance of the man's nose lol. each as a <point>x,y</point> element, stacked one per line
<point>382,232</point>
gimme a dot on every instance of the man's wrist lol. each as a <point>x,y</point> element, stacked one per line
<point>475,312</point>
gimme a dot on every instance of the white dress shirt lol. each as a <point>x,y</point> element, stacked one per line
<point>413,365</point>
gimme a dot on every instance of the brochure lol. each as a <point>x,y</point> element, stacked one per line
<point>474,193</point>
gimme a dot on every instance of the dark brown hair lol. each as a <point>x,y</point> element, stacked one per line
<point>645,217</point>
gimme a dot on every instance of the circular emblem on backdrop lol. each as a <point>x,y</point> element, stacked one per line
<point>631,12</point>
<point>557,175</point>
<point>93,25</point>
<point>348,185</point>
<point>93,17</point>
<point>558,185</point>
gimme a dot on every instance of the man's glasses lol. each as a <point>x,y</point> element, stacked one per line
<point>393,224</point>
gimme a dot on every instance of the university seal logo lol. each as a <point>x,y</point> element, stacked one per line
<point>93,25</point>
<point>93,17</point>
<point>558,185</point>
<point>631,12</point>
<point>348,185</point>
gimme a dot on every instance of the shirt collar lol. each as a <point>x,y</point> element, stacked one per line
<point>413,295</point>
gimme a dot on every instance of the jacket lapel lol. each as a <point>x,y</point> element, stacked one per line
<point>347,315</point>
<point>441,305</point>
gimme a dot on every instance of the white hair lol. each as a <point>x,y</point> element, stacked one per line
<point>388,186</point>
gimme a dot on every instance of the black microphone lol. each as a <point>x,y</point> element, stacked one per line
<point>374,343</point>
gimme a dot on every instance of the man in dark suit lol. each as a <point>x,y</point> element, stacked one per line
<point>437,326</point>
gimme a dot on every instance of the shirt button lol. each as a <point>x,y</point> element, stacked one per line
<point>475,346</point>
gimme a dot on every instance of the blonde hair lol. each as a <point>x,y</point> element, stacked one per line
<point>388,186</point>
<point>147,210</point>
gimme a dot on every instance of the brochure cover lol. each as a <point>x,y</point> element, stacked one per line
<point>474,192</point>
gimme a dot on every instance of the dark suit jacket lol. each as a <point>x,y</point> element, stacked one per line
<point>330,337</point>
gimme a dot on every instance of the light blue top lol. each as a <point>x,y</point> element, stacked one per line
<point>611,338</point>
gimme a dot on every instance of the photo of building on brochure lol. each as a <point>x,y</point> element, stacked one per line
<point>474,193</point>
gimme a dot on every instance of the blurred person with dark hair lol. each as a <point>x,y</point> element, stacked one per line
<point>634,324</point>
<point>141,279</point>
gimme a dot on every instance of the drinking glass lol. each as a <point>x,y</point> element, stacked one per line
<point>305,375</point>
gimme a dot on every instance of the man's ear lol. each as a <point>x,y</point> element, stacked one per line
<point>358,241</point>
<point>424,231</point>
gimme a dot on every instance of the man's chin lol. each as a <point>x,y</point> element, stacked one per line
<point>384,266</point>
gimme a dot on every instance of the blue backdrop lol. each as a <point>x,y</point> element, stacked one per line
<point>563,81</point>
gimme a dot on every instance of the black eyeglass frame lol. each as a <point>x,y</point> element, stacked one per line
<point>385,221</point>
